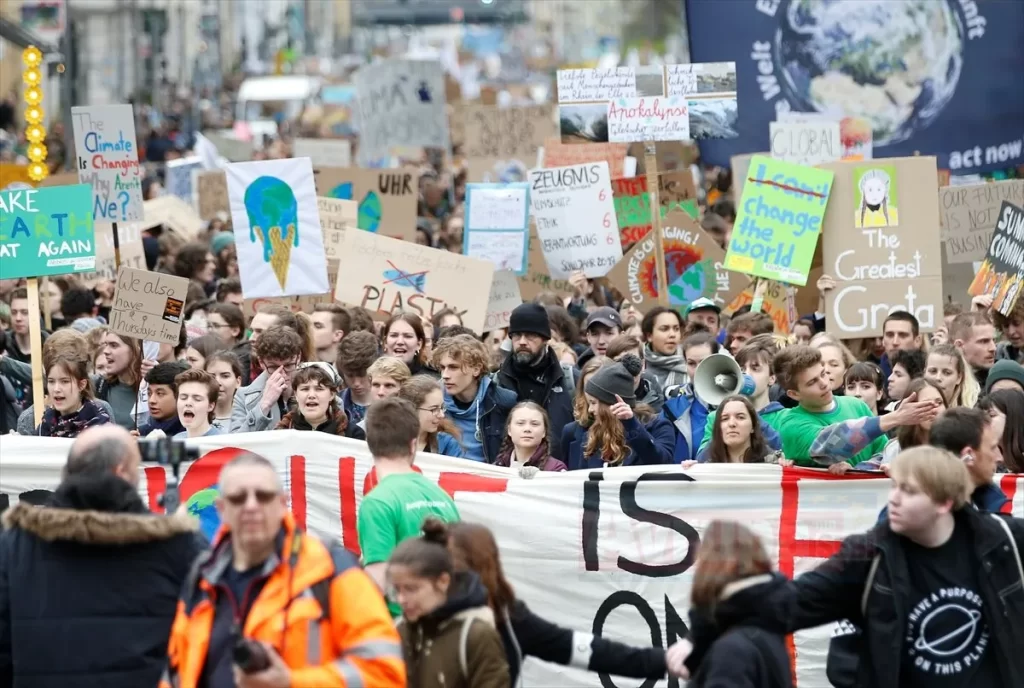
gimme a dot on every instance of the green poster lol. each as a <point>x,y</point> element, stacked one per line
<point>46,231</point>
<point>778,220</point>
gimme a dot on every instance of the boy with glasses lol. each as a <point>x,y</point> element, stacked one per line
<point>260,405</point>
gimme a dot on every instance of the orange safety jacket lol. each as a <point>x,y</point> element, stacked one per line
<point>321,612</point>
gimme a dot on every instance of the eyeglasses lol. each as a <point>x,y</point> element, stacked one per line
<point>263,497</point>
<point>274,365</point>
<point>216,326</point>
<point>434,410</point>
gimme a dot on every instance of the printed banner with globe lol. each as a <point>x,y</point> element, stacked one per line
<point>935,77</point>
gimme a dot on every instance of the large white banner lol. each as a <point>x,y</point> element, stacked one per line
<point>604,551</point>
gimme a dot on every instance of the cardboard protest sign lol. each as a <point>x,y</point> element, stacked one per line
<point>336,215</point>
<point>148,305</point>
<point>61,179</point>
<point>108,159</point>
<point>632,204</point>
<point>387,275</point>
<point>575,217</point>
<point>642,100</point>
<point>856,138</point>
<point>882,249</point>
<point>497,224</point>
<point>276,220</point>
<point>1002,272</point>
<point>740,165</point>
<point>212,194</point>
<point>132,253</point>
<point>387,199</point>
<point>505,296</point>
<point>179,179</point>
<point>501,143</point>
<point>400,103</point>
<point>778,220</point>
<point>303,304</point>
<point>558,154</point>
<point>174,214</point>
<point>805,143</point>
<point>46,232</point>
<point>537,278</point>
<point>694,267</point>
<point>777,304</point>
<point>325,152</point>
<point>969,214</point>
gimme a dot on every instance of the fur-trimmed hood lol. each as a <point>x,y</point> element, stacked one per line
<point>102,510</point>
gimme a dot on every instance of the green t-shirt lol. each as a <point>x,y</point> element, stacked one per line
<point>394,511</point>
<point>800,427</point>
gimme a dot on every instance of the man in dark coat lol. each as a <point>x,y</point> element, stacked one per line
<point>89,583</point>
<point>533,371</point>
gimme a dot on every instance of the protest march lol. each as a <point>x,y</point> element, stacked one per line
<point>695,367</point>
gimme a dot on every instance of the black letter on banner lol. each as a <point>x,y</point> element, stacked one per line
<point>591,515</point>
<point>675,629</point>
<point>616,600</point>
<point>627,500</point>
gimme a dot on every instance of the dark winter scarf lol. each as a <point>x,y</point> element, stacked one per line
<point>56,425</point>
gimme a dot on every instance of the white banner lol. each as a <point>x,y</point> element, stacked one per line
<point>609,551</point>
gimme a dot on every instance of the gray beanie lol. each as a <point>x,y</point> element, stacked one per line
<point>614,380</point>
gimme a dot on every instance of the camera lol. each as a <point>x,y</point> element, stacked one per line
<point>167,451</point>
<point>249,656</point>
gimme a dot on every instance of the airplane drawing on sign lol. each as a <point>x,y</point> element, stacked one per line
<point>414,280</point>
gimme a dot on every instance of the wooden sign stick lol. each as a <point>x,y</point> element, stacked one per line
<point>760,287</point>
<point>654,202</point>
<point>35,337</point>
<point>117,247</point>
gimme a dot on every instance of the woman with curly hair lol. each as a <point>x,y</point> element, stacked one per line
<point>438,435</point>
<point>527,443</point>
<point>316,404</point>
<point>616,431</point>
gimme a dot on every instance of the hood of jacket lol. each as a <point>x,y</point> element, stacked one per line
<point>733,608</point>
<point>585,357</point>
<point>772,407</point>
<point>471,411</point>
<point>97,510</point>
<point>467,596</point>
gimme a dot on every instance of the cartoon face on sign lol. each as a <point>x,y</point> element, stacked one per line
<point>273,218</point>
<point>877,189</point>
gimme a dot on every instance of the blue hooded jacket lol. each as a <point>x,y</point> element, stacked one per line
<point>648,444</point>
<point>688,415</point>
<point>482,424</point>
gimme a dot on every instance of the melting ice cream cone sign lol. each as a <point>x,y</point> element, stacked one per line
<point>277,228</point>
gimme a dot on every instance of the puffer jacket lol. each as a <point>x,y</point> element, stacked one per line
<point>88,587</point>
<point>432,645</point>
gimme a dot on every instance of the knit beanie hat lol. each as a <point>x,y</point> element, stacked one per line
<point>530,318</point>
<point>1005,370</point>
<point>83,325</point>
<point>614,380</point>
<point>220,241</point>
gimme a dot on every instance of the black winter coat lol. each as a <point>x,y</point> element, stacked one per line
<point>89,586</point>
<point>833,592</point>
<point>557,398</point>
<point>729,651</point>
<point>526,634</point>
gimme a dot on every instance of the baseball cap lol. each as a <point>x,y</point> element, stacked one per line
<point>703,303</point>
<point>605,315</point>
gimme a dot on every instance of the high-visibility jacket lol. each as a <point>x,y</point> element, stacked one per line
<point>352,642</point>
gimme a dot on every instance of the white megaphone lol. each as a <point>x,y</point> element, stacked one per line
<point>719,376</point>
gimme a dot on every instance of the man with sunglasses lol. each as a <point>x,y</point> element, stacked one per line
<point>261,404</point>
<point>308,608</point>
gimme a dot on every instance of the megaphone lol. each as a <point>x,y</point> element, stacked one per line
<point>719,376</point>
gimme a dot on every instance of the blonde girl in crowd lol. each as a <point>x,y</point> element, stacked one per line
<point>71,409</point>
<point>226,369</point>
<point>836,358</point>
<point>119,384</point>
<point>908,436</point>
<point>618,431</point>
<point>948,369</point>
<point>438,435</point>
<point>387,375</point>
<point>526,446</point>
<point>449,638</point>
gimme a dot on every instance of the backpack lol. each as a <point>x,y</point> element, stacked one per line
<point>847,647</point>
<point>568,378</point>
<point>467,625</point>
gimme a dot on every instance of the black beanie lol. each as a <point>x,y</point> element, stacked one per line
<point>529,318</point>
<point>1004,370</point>
<point>611,381</point>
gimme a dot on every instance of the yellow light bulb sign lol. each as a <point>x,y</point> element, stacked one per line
<point>35,132</point>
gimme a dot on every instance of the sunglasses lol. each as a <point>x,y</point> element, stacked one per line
<point>262,496</point>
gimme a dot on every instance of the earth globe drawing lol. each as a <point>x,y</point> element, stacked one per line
<point>689,275</point>
<point>688,286</point>
<point>895,64</point>
<point>201,506</point>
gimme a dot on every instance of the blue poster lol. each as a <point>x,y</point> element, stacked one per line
<point>935,77</point>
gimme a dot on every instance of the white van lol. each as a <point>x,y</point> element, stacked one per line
<point>262,98</point>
